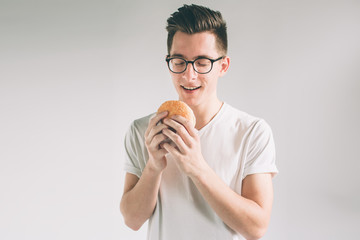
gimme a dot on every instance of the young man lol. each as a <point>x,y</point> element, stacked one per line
<point>216,182</point>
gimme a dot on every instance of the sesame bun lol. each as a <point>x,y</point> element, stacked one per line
<point>178,108</point>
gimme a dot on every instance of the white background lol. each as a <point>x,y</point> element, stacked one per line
<point>74,74</point>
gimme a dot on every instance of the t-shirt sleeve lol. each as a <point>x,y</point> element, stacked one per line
<point>261,152</point>
<point>133,153</point>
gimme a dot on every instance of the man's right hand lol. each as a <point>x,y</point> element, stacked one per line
<point>140,194</point>
<point>153,138</point>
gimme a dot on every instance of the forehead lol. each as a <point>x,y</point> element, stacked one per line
<point>191,46</point>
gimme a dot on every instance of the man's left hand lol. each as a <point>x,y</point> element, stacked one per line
<point>187,152</point>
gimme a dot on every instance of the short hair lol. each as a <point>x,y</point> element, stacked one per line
<point>195,19</point>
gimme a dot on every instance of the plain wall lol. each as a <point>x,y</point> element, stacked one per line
<point>74,74</point>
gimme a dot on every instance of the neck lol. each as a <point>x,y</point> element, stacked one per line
<point>204,113</point>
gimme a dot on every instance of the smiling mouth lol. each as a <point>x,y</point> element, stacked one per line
<point>190,88</point>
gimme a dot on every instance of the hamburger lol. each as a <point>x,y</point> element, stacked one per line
<point>175,107</point>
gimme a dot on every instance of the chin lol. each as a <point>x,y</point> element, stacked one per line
<point>190,102</point>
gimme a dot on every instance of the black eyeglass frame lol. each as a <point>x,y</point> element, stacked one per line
<point>168,59</point>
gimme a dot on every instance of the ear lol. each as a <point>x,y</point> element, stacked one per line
<point>225,63</point>
<point>166,64</point>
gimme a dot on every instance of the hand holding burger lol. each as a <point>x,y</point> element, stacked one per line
<point>182,143</point>
<point>174,107</point>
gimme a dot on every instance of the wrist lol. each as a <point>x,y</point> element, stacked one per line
<point>201,174</point>
<point>152,168</point>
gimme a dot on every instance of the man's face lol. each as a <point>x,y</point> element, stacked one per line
<point>193,88</point>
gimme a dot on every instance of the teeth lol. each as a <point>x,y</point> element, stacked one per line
<point>190,88</point>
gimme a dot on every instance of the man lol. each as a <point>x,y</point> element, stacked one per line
<point>216,181</point>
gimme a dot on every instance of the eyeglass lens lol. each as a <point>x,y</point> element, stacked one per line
<point>201,65</point>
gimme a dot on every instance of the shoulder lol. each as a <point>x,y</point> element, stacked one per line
<point>244,124</point>
<point>139,126</point>
<point>143,122</point>
<point>242,119</point>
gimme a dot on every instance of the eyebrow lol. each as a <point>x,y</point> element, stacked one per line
<point>182,56</point>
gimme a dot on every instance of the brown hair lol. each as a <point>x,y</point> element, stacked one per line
<point>194,19</point>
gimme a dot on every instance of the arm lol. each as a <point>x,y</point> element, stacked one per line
<point>248,213</point>
<point>140,194</point>
<point>139,199</point>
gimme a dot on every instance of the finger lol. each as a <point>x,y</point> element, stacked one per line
<point>156,130</point>
<point>179,129</point>
<point>172,150</point>
<point>154,120</point>
<point>157,140</point>
<point>161,153</point>
<point>187,124</point>
<point>179,142</point>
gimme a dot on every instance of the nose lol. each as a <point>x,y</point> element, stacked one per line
<point>190,72</point>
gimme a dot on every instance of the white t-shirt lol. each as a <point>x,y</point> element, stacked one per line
<point>234,144</point>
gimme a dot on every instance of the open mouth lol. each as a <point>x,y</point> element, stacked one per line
<point>190,88</point>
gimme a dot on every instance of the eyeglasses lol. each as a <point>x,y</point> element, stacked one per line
<point>201,65</point>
